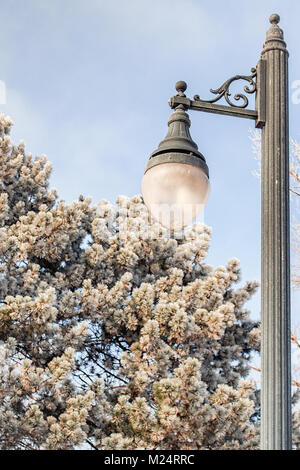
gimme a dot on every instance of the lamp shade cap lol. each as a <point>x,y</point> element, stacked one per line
<point>178,145</point>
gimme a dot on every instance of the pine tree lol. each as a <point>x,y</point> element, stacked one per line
<point>114,334</point>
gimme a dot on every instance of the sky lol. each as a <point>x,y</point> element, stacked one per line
<point>87,84</point>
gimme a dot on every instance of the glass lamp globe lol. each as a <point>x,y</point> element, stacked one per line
<point>175,193</point>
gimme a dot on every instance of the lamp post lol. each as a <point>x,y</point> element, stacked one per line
<point>177,174</point>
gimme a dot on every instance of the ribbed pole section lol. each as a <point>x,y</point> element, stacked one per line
<point>275,353</point>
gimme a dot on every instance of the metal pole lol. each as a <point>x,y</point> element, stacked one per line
<point>276,361</point>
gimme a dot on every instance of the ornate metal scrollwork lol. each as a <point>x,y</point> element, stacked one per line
<point>223,90</point>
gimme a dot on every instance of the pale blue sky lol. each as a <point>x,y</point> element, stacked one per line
<point>88,84</point>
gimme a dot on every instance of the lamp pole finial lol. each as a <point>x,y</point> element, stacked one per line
<point>274,19</point>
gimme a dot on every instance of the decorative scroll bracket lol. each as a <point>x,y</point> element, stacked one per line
<point>223,90</point>
<point>239,110</point>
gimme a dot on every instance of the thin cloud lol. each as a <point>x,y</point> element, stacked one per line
<point>186,25</point>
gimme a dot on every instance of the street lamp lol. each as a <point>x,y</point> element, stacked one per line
<point>176,180</point>
<point>177,175</point>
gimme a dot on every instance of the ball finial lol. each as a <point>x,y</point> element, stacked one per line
<point>181,86</point>
<point>274,19</point>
